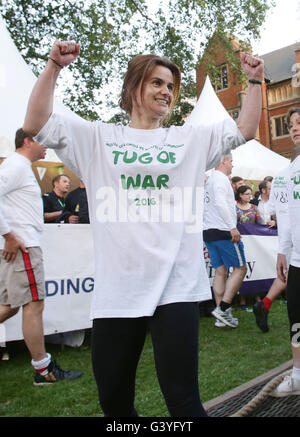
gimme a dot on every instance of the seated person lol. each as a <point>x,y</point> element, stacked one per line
<point>54,202</point>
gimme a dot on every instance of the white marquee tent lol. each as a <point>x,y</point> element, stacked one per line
<point>251,161</point>
<point>16,83</point>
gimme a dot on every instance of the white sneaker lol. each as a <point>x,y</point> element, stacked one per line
<point>5,356</point>
<point>219,324</point>
<point>288,387</point>
<point>225,317</point>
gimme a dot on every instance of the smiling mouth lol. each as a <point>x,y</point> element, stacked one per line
<point>162,101</point>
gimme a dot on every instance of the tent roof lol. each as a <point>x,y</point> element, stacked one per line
<point>16,83</point>
<point>252,160</point>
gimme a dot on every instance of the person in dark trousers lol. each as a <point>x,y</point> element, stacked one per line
<point>150,271</point>
<point>290,274</point>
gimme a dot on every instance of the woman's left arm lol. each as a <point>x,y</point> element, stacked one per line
<point>250,114</point>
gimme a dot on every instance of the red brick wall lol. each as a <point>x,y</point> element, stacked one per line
<point>230,99</point>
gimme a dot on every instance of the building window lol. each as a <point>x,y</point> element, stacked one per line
<point>281,127</point>
<point>279,94</point>
<point>272,98</point>
<point>221,80</point>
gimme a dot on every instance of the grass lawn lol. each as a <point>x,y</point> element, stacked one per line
<point>227,358</point>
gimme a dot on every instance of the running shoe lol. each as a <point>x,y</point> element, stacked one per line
<point>288,387</point>
<point>55,374</point>
<point>225,317</point>
<point>219,324</point>
<point>261,316</point>
<point>5,356</point>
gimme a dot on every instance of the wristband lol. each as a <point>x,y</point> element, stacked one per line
<point>55,62</point>
<point>255,82</point>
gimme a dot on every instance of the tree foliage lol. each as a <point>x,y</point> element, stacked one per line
<point>112,31</point>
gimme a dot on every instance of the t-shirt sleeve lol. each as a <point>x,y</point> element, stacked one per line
<point>72,139</point>
<point>10,180</point>
<point>284,239</point>
<point>220,194</point>
<point>271,204</point>
<point>224,137</point>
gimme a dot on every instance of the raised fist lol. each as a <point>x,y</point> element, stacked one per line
<point>252,66</point>
<point>64,52</point>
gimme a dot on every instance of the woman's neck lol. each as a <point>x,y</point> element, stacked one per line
<point>244,205</point>
<point>139,121</point>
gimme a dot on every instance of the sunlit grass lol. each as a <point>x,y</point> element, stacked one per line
<point>227,358</point>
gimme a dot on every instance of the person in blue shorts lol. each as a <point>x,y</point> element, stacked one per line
<point>223,242</point>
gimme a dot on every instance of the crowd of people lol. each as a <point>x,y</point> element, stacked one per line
<point>161,276</point>
<point>225,207</point>
<point>274,205</point>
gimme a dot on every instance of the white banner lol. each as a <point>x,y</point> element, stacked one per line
<point>69,276</point>
<point>69,280</point>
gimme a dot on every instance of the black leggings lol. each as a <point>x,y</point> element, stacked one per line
<point>117,344</point>
<point>293,303</point>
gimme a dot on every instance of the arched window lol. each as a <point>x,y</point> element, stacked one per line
<point>221,79</point>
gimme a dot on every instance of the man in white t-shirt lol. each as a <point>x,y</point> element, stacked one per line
<point>21,258</point>
<point>223,241</point>
<point>262,203</point>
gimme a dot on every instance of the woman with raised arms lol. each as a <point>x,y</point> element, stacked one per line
<point>144,184</point>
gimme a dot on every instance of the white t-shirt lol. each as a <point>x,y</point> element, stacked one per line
<point>145,196</point>
<point>263,208</point>
<point>291,234</point>
<point>219,203</point>
<point>278,203</point>
<point>21,206</point>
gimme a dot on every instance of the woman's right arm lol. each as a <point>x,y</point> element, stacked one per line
<point>40,103</point>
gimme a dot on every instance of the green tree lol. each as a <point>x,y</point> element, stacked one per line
<point>112,31</point>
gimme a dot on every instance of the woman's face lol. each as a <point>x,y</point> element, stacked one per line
<point>294,128</point>
<point>157,95</point>
<point>246,196</point>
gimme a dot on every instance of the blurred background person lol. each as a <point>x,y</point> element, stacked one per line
<point>246,211</point>
<point>262,203</point>
<point>76,207</point>
<point>236,182</point>
<point>54,202</point>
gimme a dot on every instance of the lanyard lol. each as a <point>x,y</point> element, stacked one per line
<point>62,204</point>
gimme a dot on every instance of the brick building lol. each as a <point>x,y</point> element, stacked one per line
<point>280,89</point>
